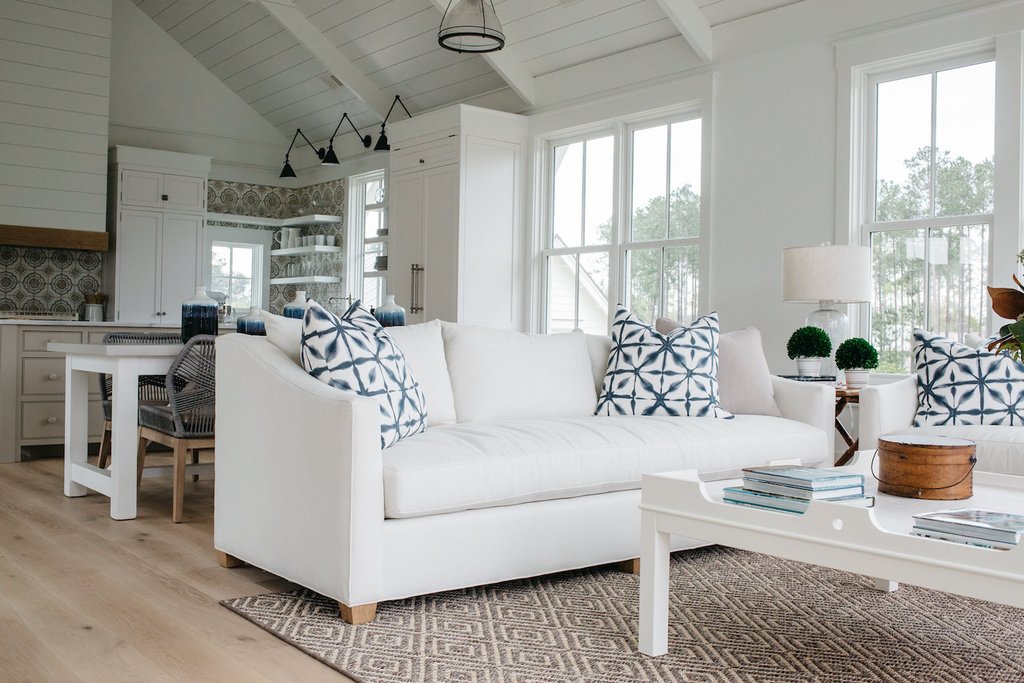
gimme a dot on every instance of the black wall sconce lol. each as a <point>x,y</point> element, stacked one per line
<point>382,142</point>
<point>327,157</point>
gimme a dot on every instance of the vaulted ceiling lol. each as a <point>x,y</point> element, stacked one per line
<point>300,63</point>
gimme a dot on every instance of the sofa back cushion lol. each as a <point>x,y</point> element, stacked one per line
<point>285,334</point>
<point>424,352</point>
<point>744,380</point>
<point>504,374</point>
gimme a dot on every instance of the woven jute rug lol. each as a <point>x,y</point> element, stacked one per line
<point>734,616</point>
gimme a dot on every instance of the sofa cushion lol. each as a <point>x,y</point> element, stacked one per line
<point>599,346</point>
<point>1000,448</point>
<point>503,373</point>
<point>354,354</point>
<point>285,334</point>
<point>958,385</point>
<point>424,352</point>
<point>504,462</point>
<point>744,380</point>
<point>650,373</point>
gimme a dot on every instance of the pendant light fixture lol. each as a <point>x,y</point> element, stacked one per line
<point>327,157</point>
<point>470,26</point>
<point>382,142</point>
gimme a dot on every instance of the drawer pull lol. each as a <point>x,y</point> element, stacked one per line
<point>423,161</point>
<point>51,420</point>
<point>53,376</point>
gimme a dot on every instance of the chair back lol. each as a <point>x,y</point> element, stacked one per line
<point>191,386</point>
<point>151,387</point>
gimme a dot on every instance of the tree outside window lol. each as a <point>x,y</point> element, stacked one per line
<point>234,271</point>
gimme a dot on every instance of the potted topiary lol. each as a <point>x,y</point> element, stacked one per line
<point>808,346</point>
<point>858,358</point>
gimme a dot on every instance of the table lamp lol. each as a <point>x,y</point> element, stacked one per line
<point>829,274</point>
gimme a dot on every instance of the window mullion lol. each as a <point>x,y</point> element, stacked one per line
<point>668,180</point>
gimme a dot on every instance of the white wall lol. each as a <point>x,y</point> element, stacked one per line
<point>162,98</point>
<point>54,69</point>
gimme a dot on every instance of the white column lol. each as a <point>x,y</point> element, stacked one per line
<point>124,439</point>
<point>76,425</point>
<point>654,561</point>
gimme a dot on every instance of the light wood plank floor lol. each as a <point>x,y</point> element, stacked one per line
<point>87,598</point>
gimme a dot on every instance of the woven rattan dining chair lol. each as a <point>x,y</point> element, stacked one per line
<point>185,424</point>
<point>151,387</point>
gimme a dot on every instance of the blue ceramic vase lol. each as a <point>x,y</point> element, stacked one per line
<point>390,314</point>
<point>296,308</point>
<point>252,323</point>
<point>198,315</point>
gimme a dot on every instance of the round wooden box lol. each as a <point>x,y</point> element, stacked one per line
<point>925,466</point>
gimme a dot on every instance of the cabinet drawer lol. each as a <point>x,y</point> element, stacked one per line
<point>42,376</point>
<point>45,419</point>
<point>36,340</point>
<point>427,155</point>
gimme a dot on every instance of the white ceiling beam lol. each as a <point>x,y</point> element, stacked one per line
<point>691,23</point>
<point>295,22</point>
<point>507,65</point>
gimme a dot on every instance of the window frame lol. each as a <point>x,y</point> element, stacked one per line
<point>257,268</point>
<point>621,131</point>
<point>355,245</point>
<point>242,236</point>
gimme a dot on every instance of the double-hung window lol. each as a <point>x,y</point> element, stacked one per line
<point>368,239</point>
<point>929,202</point>
<point>625,224</point>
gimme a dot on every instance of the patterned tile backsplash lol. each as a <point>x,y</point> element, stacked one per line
<point>267,201</point>
<point>48,280</point>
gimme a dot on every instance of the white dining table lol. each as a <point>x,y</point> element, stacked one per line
<point>125,363</point>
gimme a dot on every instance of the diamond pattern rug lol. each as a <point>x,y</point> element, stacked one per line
<point>734,616</point>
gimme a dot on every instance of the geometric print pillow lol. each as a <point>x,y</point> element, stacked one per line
<point>650,373</point>
<point>354,353</point>
<point>959,385</point>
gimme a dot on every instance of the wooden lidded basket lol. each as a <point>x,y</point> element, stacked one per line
<point>926,466</point>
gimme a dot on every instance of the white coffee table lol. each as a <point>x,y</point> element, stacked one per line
<point>873,542</point>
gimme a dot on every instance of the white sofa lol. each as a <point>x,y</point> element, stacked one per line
<point>304,490</point>
<point>890,409</point>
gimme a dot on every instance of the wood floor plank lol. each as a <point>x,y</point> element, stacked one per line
<point>147,589</point>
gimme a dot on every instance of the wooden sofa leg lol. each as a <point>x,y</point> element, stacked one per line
<point>228,561</point>
<point>360,614</point>
<point>630,566</point>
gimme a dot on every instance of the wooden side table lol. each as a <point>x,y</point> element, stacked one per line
<point>845,397</point>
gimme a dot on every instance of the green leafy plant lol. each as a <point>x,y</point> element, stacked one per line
<point>1009,303</point>
<point>856,354</point>
<point>809,342</point>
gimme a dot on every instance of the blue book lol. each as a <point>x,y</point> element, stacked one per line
<point>800,476</point>
<point>742,496</point>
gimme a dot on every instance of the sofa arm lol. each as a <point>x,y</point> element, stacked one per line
<point>299,481</point>
<point>886,408</point>
<point>812,403</point>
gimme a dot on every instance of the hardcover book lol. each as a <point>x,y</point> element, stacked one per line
<point>804,493</point>
<point>961,538</point>
<point>998,526</point>
<point>800,476</point>
<point>742,496</point>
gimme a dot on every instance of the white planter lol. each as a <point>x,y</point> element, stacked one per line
<point>857,378</point>
<point>808,367</point>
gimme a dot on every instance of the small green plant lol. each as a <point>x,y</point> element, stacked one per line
<point>856,354</point>
<point>809,342</point>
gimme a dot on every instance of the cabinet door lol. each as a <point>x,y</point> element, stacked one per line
<point>179,259</point>
<point>141,188</point>
<point>185,192</point>
<point>405,238</point>
<point>440,243</point>
<point>138,266</point>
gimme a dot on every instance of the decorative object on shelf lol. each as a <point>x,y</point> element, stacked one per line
<point>288,238</point>
<point>198,315</point>
<point>296,308</point>
<point>470,26</point>
<point>252,323</point>
<point>857,358</point>
<point>389,314</point>
<point>808,346</point>
<point>1009,303</point>
<point>829,274</point>
<point>329,240</point>
<point>380,263</point>
<point>94,313</point>
<point>382,142</point>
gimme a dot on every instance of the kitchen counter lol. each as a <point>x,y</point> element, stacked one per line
<point>88,323</point>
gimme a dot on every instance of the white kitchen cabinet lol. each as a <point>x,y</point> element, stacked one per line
<point>456,216</point>
<point>158,217</point>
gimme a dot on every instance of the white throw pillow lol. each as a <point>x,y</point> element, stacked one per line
<point>600,347</point>
<point>654,374</point>
<point>424,352</point>
<point>285,334</point>
<point>958,385</point>
<point>744,380</point>
<point>354,354</point>
<point>503,373</point>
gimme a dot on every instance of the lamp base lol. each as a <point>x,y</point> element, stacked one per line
<point>836,324</point>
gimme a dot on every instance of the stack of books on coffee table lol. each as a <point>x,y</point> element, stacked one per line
<point>791,488</point>
<point>971,526</point>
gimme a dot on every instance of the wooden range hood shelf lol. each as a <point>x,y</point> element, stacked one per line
<point>53,238</point>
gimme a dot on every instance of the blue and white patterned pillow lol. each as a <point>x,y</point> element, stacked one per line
<point>958,385</point>
<point>650,373</point>
<point>354,353</point>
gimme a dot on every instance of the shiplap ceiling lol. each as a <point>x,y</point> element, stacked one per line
<point>394,44</point>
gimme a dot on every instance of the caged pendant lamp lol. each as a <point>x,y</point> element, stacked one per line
<point>470,26</point>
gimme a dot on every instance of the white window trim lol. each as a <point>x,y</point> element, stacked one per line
<point>242,236</point>
<point>860,60</point>
<point>356,241</point>
<point>622,133</point>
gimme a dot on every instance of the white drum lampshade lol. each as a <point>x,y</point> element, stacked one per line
<point>827,275</point>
